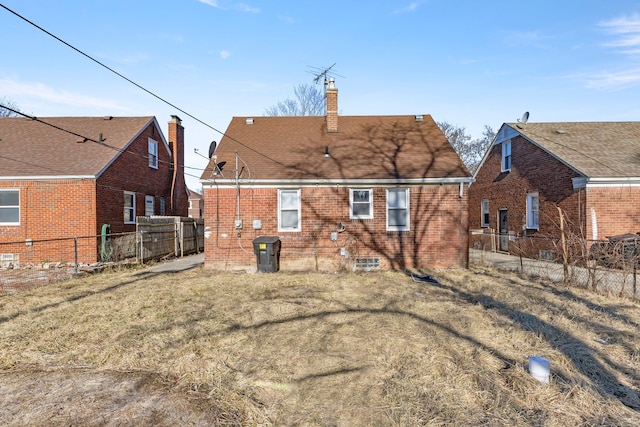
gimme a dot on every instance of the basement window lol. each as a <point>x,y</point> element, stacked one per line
<point>367,264</point>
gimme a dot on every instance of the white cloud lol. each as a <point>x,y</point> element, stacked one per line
<point>626,30</point>
<point>287,19</point>
<point>40,91</point>
<point>409,8</point>
<point>612,80</point>
<point>226,5</point>
<point>213,3</point>
<point>224,54</point>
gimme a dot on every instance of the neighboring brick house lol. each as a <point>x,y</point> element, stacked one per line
<point>341,193</point>
<point>55,184</point>
<point>196,204</point>
<point>591,170</point>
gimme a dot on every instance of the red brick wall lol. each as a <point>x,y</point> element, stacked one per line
<point>532,170</point>
<point>52,209</point>
<point>617,211</point>
<point>131,172</point>
<point>438,235</point>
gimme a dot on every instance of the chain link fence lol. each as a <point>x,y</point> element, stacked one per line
<point>609,266</point>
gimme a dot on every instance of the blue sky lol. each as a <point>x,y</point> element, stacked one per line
<point>470,63</point>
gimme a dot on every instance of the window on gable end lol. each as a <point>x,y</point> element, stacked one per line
<point>506,156</point>
<point>360,203</point>
<point>153,154</point>
<point>533,215</point>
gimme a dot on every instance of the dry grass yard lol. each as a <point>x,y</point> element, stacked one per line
<point>378,349</point>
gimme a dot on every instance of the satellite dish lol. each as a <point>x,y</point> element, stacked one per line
<point>212,148</point>
<point>525,118</point>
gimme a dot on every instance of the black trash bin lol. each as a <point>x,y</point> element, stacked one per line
<point>267,250</point>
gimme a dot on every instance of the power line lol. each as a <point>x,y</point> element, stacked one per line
<point>136,84</point>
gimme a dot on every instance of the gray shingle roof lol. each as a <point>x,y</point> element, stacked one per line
<point>29,148</point>
<point>595,149</point>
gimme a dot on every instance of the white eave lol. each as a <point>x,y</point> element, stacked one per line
<point>337,182</point>
<point>45,177</point>
<point>586,182</point>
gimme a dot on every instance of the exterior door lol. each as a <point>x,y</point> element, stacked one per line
<point>503,231</point>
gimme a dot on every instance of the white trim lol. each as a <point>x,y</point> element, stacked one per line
<point>12,190</point>
<point>530,224</point>
<point>369,202</point>
<point>293,183</point>
<point>585,182</point>
<point>45,177</point>
<point>131,193</point>
<point>406,227</point>
<point>298,208</point>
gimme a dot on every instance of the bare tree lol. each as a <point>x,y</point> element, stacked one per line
<point>470,150</point>
<point>4,112</point>
<point>309,101</point>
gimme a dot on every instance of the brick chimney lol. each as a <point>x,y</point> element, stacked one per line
<point>332,107</point>
<point>179,196</point>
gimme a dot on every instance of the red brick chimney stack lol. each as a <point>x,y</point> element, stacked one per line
<point>179,199</point>
<point>332,107</point>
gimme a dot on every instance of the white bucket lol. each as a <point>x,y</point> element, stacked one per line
<point>540,368</point>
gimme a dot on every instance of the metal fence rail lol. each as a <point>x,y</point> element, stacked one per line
<point>32,263</point>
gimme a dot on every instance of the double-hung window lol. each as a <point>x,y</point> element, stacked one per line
<point>153,154</point>
<point>361,203</point>
<point>9,207</point>
<point>149,205</point>
<point>289,210</point>
<point>129,207</point>
<point>485,213</point>
<point>506,156</point>
<point>397,209</point>
<point>533,216</point>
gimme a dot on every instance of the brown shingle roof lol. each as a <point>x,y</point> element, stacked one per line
<point>596,149</point>
<point>365,147</point>
<point>30,148</point>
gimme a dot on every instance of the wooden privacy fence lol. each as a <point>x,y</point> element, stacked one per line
<point>160,236</point>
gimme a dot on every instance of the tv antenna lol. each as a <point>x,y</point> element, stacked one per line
<point>323,73</point>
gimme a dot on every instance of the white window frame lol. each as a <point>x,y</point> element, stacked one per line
<point>484,213</point>
<point>149,205</point>
<point>506,156</point>
<point>153,153</point>
<point>354,195</point>
<point>533,211</point>
<point>131,210</point>
<point>8,207</point>
<point>296,206</point>
<point>406,208</point>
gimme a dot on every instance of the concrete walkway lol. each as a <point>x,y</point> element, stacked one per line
<point>179,264</point>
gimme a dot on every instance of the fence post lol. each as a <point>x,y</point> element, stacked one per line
<point>75,255</point>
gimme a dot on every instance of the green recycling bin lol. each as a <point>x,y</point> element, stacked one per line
<point>267,250</point>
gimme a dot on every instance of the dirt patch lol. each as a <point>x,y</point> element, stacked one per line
<point>82,397</point>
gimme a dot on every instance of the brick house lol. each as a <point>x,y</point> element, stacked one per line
<point>63,177</point>
<point>341,193</point>
<point>590,170</point>
<point>196,204</point>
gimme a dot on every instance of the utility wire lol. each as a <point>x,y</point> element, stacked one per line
<point>136,84</point>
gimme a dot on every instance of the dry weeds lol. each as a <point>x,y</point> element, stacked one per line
<point>376,349</point>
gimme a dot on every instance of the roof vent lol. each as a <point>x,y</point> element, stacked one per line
<point>108,117</point>
<point>561,131</point>
<point>249,120</point>
<point>419,118</point>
